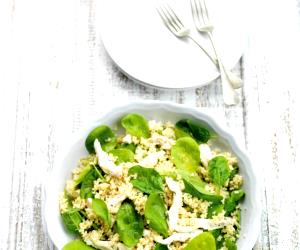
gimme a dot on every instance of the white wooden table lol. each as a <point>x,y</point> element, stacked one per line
<point>55,77</point>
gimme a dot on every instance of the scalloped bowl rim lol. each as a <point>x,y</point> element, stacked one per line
<point>249,232</point>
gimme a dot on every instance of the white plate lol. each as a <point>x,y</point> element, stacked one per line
<point>163,111</point>
<point>144,49</point>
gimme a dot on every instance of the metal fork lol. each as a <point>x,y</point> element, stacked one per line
<point>175,25</point>
<point>203,25</point>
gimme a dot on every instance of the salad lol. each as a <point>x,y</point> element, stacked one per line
<point>155,186</point>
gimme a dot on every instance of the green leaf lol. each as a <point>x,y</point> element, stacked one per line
<point>196,187</point>
<point>136,125</point>
<point>214,209</point>
<point>204,241</point>
<point>71,220</point>
<point>159,246</point>
<point>123,155</point>
<point>218,170</point>
<point>231,245</point>
<point>129,224</point>
<point>232,201</point>
<point>155,213</point>
<point>185,154</point>
<point>129,146</point>
<point>77,245</point>
<point>105,136</point>
<point>83,173</point>
<point>101,210</point>
<point>234,171</point>
<point>88,183</point>
<point>217,233</point>
<point>147,180</point>
<point>198,130</point>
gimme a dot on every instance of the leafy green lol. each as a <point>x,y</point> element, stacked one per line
<point>232,201</point>
<point>234,171</point>
<point>123,155</point>
<point>198,130</point>
<point>159,246</point>
<point>88,183</point>
<point>204,241</point>
<point>77,245</point>
<point>231,245</point>
<point>196,187</point>
<point>105,136</point>
<point>129,224</point>
<point>136,125</point>
<point>185,154</point>
<point>129,146</point>
<point>71,219</point>
<point>218,170</point>
<point>147,180</point>
<point>100,209</point>
<point>155,213</point>
<point>217,233</point>
<point>214,209</point>
<point>83,173</point>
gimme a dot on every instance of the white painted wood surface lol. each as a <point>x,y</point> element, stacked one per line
<point>55,76</point>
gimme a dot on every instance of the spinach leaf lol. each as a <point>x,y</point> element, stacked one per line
<point>123,155</point>
<point>234,171</point>
<point>204,241</point>
<point>77,245</point>
<point>199,131</point>
<point>231,245</point>
<point>159,246</point>
<point>101,210</point>
<point>147,180</point>
<point>71,220</point>
<point>105,136</point>
<point>196,187</point>
<point>155,213</point>
<point>129,224</point>
<point>233,200</point>
<point>185,154</point>
<point>129,146</point>
<point>136,125</point>
<point>217,233</point>
<point>214,209</point>
<point>218,170</point>
<point>88,183</point>
<point>82,174</point>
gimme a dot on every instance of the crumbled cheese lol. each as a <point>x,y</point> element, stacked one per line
<point>127,139</point>
<point>151,159</point>
<point>205,153</point>
<point>105,162</point>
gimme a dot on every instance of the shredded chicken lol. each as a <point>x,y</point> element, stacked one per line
<point>182,237</point>
<point>105,162</point>
<point>173,212</point>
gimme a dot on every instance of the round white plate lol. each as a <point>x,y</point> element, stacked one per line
<point>144,49</point>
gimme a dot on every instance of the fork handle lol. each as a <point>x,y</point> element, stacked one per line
<point>234,80</point>
<point>229,95</point>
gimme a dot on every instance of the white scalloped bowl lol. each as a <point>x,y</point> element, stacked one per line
<point>162,111</point>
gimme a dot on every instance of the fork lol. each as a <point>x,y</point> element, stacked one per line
<point>203,25</point>
<point>174,24</point>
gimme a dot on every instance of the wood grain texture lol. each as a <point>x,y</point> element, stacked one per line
<point>56,77</point>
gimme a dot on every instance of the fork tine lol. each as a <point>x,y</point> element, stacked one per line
<point>168,10</point>
<point>175,16</point>
<point>204,11</point>
<point>196,13</point>
<point>167,21</point>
